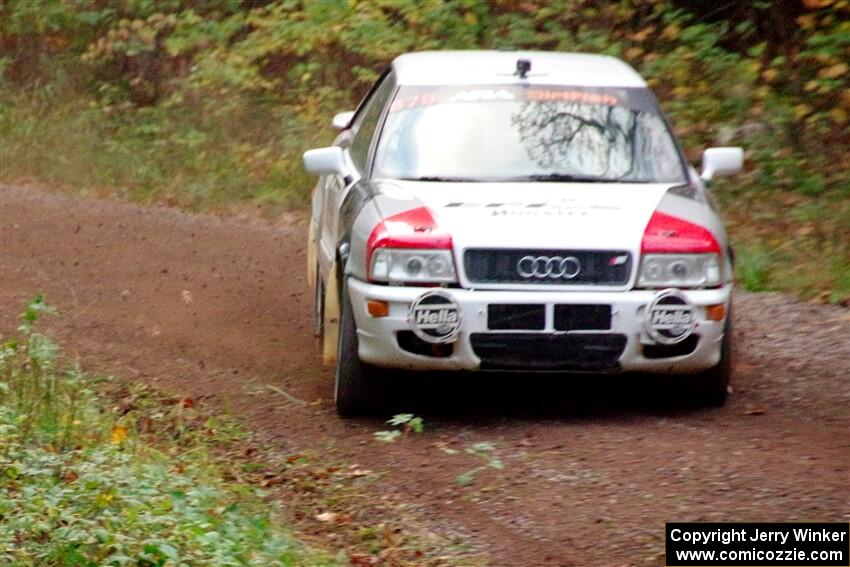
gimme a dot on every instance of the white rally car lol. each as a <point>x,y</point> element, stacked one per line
<point>507,210</point>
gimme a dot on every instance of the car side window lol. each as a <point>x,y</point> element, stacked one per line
<point>366,122</point>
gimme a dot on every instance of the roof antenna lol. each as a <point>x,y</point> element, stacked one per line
<point>523,66</point>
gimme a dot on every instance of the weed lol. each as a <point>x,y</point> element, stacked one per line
<point>408,423</point>
<point>387,436</point>
<point>483,450</point>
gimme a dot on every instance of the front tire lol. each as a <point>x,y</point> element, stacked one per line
<point>355,388</point>
<point>319,307</point>
<point>711,387</point>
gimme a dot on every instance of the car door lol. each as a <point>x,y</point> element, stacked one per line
<point>357,143</point>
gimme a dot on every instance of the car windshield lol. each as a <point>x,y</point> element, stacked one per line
<point>527,133</point>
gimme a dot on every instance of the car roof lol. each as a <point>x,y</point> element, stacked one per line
<point>497,67</point>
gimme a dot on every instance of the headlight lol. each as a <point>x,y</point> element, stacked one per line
<point>679,270</point>
<point>395,265</point>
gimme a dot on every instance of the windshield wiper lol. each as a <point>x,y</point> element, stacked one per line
<point>435,178</point>
<point>554,177</point>
<point>561,177</point>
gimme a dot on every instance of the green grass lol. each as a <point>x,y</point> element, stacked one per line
<point>789,241</point>
<point>197,155</point>
<point>91,475</point>
<point>752,266</point>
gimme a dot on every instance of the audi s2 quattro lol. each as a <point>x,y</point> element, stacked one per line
<point>509,210</point>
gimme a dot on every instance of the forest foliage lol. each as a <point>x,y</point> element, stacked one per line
<point>201,103</point>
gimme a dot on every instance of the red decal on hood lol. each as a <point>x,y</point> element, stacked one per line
<point>668,234</point>
<point>414,228</point>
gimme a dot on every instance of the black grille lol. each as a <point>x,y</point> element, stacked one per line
<point>683,348</point>
<point>509,317</point>
<point>554,352</point>
<point>582,317</point>
<point>408,341</point>
<point>483,265</point>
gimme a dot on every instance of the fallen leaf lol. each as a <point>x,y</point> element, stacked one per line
<point>361,560</point>
<point>118,434</point>
<point>326,517</point>
<point>804,230</point>
<point>271,481</point>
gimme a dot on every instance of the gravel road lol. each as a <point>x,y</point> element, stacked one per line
<point>218,307</point>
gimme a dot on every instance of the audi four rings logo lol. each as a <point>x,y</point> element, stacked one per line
<point>542,267</point>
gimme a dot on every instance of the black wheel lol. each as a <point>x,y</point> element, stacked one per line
<point>711,386</point>
<point>355,387</point>
<point>319,307</point>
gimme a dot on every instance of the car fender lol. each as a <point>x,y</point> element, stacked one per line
<point>359,214</point>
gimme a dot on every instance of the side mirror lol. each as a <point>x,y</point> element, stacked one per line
<point>721,161</point>
<point>325,161</point>
<point>342,120</point>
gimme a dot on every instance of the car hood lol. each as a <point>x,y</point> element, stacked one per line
<point>601,216</point>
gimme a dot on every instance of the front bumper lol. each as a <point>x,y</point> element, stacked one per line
<point>379,336</point>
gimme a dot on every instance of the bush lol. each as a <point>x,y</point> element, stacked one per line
<point>80,485</point>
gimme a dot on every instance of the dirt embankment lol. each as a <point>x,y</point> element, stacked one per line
<point>218,307</point>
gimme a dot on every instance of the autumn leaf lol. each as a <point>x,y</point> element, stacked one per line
<point>118,434</point>
<point>361,560</point>
<point>807,21</point>
<point>633,53</point>
<point>834,71</point>
<point>816,4</point>
<point>326,517</point>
